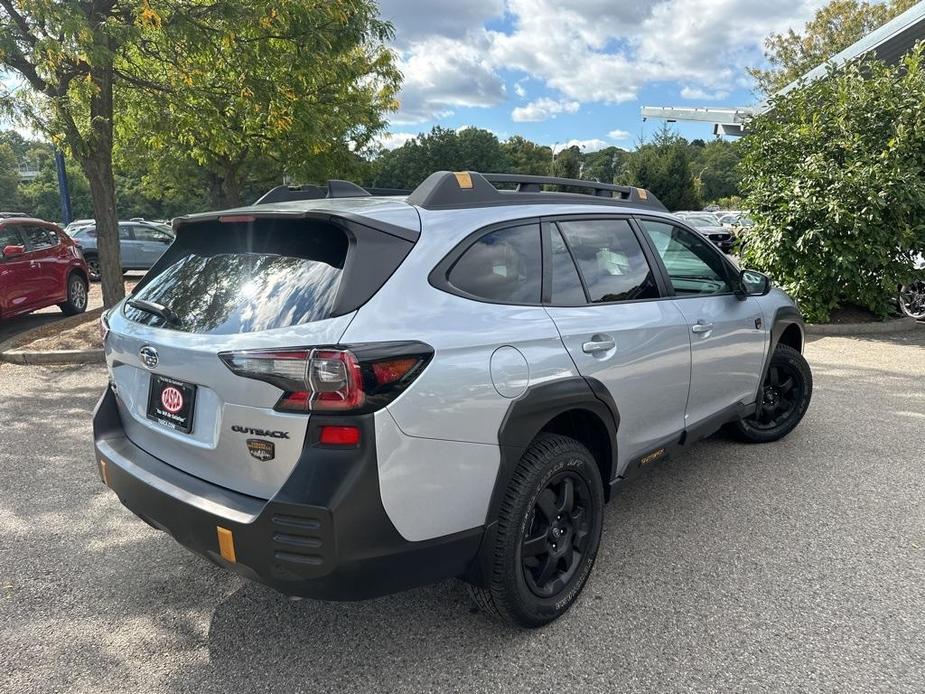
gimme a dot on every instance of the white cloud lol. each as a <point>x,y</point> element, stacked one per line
<point>703,94</point>
<point>619,135</point>
<point>441,74</point>
<point>415,21</point>
<point>592,51</point>
<point>592,145</point>
<point>394,140</point>
<point>543,109</point>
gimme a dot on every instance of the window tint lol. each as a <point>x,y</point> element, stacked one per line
<point>502,266</point>
<point>566,284</point>
<point>38,238</point>
<point>9,236</point>
<point>692,263</point>
<point>610,260</point>
<point>143,233</point>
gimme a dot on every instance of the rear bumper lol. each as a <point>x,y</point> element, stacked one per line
<point>324,535</point>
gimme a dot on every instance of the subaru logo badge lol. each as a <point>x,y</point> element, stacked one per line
<point>148,356</point>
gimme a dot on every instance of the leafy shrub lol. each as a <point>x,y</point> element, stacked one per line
<point>835,182</point>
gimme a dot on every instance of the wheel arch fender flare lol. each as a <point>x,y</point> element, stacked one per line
<point>529,414</point>
<point>787,326</point>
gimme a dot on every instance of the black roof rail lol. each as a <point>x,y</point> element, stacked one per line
<point>334,189</point>
<point>445,190</point>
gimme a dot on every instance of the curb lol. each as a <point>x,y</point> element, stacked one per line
<point>9,352</point>
<point>61,357</point>
<point>888,327</point>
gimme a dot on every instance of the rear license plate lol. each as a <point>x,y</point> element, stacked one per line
<point>171,403</point>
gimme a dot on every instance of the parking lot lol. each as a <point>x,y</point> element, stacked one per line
<point>793,566</point>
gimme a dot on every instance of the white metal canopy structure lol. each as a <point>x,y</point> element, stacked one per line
<point>889,43</point>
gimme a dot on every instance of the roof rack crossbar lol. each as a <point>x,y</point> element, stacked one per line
<point>335,188</point>
<point>448,190</point>
<point>533,184</point>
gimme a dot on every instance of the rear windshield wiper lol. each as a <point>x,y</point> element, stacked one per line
<point>156,310</point>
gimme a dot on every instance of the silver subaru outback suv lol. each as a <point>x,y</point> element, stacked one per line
<point>348,395</point>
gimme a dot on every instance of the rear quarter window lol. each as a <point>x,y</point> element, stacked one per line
<point>502,266</point>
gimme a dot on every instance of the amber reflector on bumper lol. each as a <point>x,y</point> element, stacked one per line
<point>225,543</point>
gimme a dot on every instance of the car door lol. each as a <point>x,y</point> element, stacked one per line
<point>130,248</point>
<point>610,308</point>
<point>18,288</point>
<point>41,250</point>
<point>152,243</point>
<point>727,330</point>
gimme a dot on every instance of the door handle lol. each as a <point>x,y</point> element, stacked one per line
<point>598,343</point>
<point>700,327</point>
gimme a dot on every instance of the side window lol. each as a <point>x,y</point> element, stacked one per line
<point>39,238</point>
<point>9,236</point>
<point>125,232</point>
<point>566,284</point>
<point>143,233</point>
<point>610,260</point>
<point>503,266</point>
<point>693,265</point>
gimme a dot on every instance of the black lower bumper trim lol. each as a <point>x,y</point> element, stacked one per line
<point>324,535</point>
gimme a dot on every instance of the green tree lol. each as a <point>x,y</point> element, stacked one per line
<point>663,166</point>
<point>715,168</point>
<point>441,149</point>
<point>40,197</point>
<point>9,178</point>
<point>835,178</point>
<point>567,163</point>
<point>603,165</point>
<point>281,87</point>
<point>525,157</point>
<point>834,27</point>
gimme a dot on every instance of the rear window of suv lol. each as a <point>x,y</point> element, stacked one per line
<point>240,278</point>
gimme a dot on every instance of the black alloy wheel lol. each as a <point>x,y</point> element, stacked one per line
<point>912,300</point>
<point>539,553</point>
<point>557,535</point>
<point>782,400</point>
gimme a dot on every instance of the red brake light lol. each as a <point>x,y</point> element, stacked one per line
<point>339,436</point>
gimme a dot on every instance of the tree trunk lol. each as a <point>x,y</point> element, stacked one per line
<point>97,165</point>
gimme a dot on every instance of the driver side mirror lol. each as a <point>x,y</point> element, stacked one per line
<point>753,283</point>
<point>13,251</point>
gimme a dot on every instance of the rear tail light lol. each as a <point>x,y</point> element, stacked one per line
<point>339,436</point>
<point>358,379</point>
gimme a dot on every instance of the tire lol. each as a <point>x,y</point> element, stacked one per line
<point>516,589</point>
<point>783,399</point>
<point>93,267</point>
<point>912,300</point>
<point>76,295</point>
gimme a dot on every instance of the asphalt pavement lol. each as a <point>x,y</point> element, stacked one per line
<point>795,566</point>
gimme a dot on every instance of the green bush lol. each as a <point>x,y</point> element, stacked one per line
<point>835,182</point>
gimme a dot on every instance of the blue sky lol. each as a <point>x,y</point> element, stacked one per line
<point>576,71</point>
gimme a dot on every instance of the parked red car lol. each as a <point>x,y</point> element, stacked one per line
<point>39,266</point>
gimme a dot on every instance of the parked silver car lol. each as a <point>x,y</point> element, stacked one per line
<point>351,396</point>
<point>141,244</point>
<point>709,225</point>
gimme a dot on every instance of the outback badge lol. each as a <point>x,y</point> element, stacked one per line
<point>263,451</point>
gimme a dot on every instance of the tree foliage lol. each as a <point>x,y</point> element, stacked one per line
<point>441,149</point>
<point>9,178</point>
<point>835,177</point>
<point>280,87</point>
<point>663,166</point>
<point>834,28</point>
